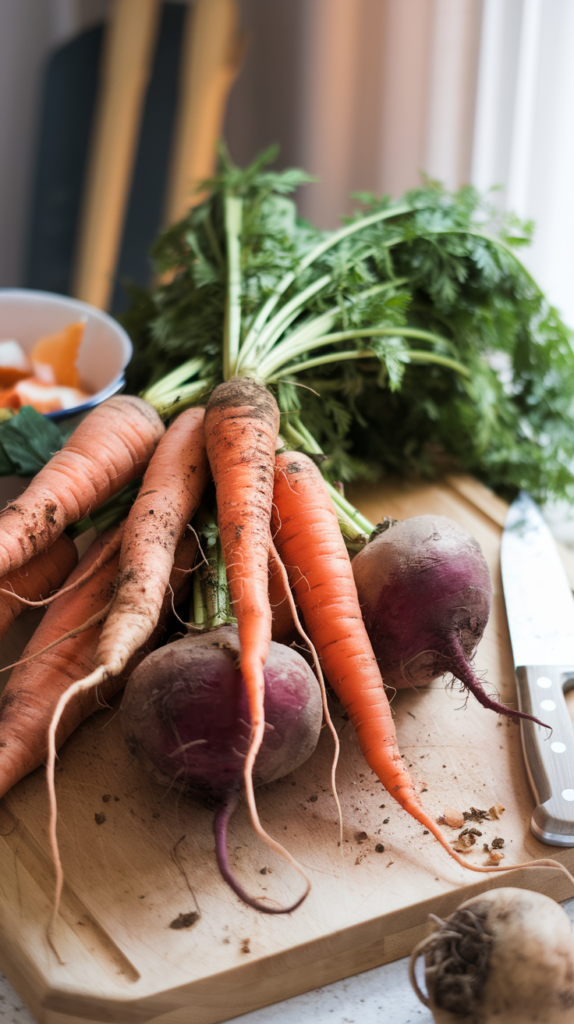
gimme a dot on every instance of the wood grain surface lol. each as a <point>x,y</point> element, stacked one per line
<point>151,859</point>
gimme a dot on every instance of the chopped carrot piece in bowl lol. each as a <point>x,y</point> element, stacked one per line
<point>60,351</point>
<point>44,397</point>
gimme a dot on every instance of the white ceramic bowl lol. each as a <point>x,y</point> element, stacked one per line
<point>106,349</point>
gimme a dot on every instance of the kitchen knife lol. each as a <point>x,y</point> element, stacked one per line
<point>540,610</point>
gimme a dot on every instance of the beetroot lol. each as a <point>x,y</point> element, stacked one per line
<point>425,592</point>
<point>185,715</point>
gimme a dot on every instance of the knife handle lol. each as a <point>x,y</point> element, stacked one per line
<point>549,756</point>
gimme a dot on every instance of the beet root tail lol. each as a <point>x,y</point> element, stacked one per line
<point>222,817</point>
<point>457,663</point>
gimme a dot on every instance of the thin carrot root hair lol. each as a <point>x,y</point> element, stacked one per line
<point>95,678</point>
<point>424,819</point>
<point>273,844</point>
<point>107,553</point>
<point>288,593</point>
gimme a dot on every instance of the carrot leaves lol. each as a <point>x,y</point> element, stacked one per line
<point>410,340</point>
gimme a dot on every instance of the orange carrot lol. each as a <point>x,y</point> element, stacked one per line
<point>34,688</point>
<point>43,574</point>
<point>60,352</point>
<point>168,499</point>
<point>112,446</point>
<point>110,548</point>
<point>170,493</point>
<point>312,549</point>
<point>241,428</point>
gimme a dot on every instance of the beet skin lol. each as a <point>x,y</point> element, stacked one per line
<point>425,592</point>
<point>185,715</point>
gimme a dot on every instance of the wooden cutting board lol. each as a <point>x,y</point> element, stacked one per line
<point>136,857</point>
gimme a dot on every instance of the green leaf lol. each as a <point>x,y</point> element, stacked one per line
<point>28,441</point>
<point>439,263</point>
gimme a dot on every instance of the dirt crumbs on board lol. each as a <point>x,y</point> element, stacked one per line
<point>494,850</point>
<point>466,839</point>
<point>185,920</point>
<point>494,857</point>
<point>456,819</point>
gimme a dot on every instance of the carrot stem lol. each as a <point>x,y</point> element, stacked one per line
<point>232,330</point>
<point>314,254</point>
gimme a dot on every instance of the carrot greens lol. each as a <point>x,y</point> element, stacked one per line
<point>410,340</point>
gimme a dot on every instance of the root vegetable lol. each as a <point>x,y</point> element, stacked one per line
<point>35,686</point>
<point>171,490</point>
<point>504,956</point>
<point>186,715</point>
<point>43,574</point>
<point>425,592</point>
<point>108,449</point>
<point>241,427</point>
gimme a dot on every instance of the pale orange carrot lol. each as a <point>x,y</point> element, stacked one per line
<point>43,574</point>
<point>111,447</point>
<point>34,688</point>
<point>171,491</point>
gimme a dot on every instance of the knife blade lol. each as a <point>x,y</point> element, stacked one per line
<point>540,611</point>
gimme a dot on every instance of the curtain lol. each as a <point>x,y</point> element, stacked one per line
<point>365,94</point>
<point>524,133</point>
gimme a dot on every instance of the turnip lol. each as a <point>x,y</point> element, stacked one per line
<point>185,715</point>
<point>425,592</point>
<point>504,957</point>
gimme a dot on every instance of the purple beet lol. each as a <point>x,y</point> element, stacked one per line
<point>185,715</point>
<point>425,592</point>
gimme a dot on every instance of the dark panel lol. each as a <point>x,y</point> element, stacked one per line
<point>144,216</point>
<point>68,104</point>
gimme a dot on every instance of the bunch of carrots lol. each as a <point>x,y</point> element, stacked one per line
<point>276,514</point>
<point>273,509</point>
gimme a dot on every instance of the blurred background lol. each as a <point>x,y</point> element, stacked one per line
<point>364,94</point>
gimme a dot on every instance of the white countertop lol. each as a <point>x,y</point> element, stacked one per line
<point>383,994</point>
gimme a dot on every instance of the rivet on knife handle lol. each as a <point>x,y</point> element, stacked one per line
<point>549,756</point>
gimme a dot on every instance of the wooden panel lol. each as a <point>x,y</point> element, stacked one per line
<point>129,877</point>
<point>211,57</point>
<point>126,67</point>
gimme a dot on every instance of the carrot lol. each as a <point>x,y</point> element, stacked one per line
<point>241,428</point>
<point>43,574</point>
<point>170,493</point>
<point>168,499</point>
<point>312,549</point>
<point>34,688</point>
<point>110,548</point>
<point>108,449</point>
